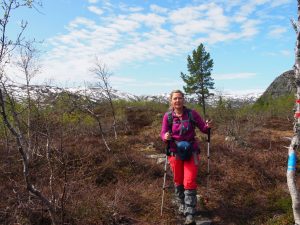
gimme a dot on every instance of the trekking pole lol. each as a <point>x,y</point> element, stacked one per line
<point>208,153</point>
<point>164,186</point>
<point>208,160</point>
<point>165,174</point>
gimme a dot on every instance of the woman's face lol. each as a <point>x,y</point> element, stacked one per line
<point>177,101</point>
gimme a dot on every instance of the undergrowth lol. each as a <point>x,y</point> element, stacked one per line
<point>93,185</point>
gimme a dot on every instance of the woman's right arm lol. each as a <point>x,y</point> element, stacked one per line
<point>164,127</point>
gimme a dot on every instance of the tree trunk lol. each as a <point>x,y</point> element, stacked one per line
<point>292,157</point>
<point>102,135</point>
<point>30,151</point>
<point>202,100</point>
<point>114,115</point>
<point>291,179</point>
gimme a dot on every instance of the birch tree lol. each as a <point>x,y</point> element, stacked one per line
<point>292,157</point>
<point>7,103</point>
<point>102,73</point>
<point>29,66</point>
<point>88,106</point>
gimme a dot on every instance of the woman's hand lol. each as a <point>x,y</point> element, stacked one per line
<point>209,123</point>
<point>168,136</point>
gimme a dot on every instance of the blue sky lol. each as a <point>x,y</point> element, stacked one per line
<point>145,43</point>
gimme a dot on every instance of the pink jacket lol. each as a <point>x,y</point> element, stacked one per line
<point>188,130</point>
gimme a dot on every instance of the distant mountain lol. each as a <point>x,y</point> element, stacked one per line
<point>38,91</point>
<point>162,98</point>
<point>282,85</point>
<point>235,100</point>
<point>51,92</point>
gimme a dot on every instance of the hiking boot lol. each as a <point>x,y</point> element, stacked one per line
<point>181,209</point>
<point>179,199</point>
<point>190,202</point>
<point>189,220</point>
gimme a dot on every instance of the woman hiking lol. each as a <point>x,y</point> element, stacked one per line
<point>178,130</point>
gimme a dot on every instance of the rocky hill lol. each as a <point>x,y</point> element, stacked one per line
<point>282,85</point>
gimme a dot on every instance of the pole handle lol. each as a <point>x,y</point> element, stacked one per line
<point>208,135</point>
<point>167,151</point>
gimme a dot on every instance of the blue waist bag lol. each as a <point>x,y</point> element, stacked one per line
<point>184,150</point>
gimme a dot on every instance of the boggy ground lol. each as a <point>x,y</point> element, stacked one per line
<point>247,182</point>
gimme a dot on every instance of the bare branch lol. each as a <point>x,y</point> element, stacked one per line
<point>294,25</point>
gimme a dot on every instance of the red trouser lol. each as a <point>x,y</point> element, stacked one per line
<point>185,172</point>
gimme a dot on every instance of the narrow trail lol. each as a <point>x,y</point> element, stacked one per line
<point>201,217</point>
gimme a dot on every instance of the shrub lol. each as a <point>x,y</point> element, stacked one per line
<point>279,107</point>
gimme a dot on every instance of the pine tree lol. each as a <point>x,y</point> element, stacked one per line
<point>199,81</point>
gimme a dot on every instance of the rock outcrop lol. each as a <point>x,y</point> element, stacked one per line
<point>282,85</point>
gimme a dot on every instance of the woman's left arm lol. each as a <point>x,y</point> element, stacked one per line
<point>200,123</point>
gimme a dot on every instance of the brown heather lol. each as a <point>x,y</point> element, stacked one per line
<point>92,185</point>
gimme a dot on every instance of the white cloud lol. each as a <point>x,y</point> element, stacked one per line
<point>193,27</point>
<point>239,18</point>
<point>233,76</point>
<point>132,37</point>
<point>126,8</point>
<point>95,10</point>
<point>140,86</point>
<point>135,9</point>
<point>201,19</point>
<point>250,7</point>
<point>277,31</point>
<point>81,22</point>
<point>160,84</point>
<point>249,28</point>
<point>260,2</point>
<point>107,4</point>
<point>246,9</point>
<point>186,14</point>
<point>143,84</point>
<point>63,72</point>
<point>123,24</point>
<point>158,9</point>
<point>151,19</point>
<point>286,52</point>
<point>121,80</point>
<point>230,4</point>
<point>276,3</point>
<point>93,1</point>
<point>215,37</point>
<point>216,15</point>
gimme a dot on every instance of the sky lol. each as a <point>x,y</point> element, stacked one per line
<point>144,44</point>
